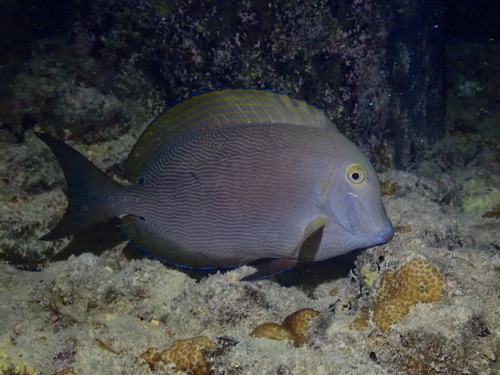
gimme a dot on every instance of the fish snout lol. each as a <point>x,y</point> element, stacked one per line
<point>385,235</point>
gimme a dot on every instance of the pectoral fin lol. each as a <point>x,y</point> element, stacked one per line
<point>308,248</point>
<point>306,252</point>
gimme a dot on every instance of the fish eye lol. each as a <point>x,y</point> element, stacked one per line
<point>356,173</point>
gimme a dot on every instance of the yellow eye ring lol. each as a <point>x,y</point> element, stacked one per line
<point>356,173</point>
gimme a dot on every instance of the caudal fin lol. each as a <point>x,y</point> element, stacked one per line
<point>90,191</point>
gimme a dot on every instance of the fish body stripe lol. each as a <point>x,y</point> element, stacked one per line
<point>248,189</point>
<point>219,108</point>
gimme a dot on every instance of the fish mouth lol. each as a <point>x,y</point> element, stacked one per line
<point>385,235</point>
<point>379,238</point>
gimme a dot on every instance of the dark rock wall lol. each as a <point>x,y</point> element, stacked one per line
<point>415,64</point>
<point>375,68</point>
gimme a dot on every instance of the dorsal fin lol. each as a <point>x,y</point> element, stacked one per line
<point>216,108</point>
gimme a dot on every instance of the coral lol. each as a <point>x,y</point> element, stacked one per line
<point>273,331</point>
<point>293,327</point>
<point>403,229</point>
<point>387,188</point>
<point>416,281</point>
<point>368,275</point>
<point>480,193</point>
<point>361,320</point>
<point>9,365</point>
<point>186,355</point>
<point>333,291</point>
<point>493,213</point>
<point>298,321</point>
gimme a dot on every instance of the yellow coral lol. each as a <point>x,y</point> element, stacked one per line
<point>186,355</point>
<point>293,327</point>
<point>273,331</point>
<point>361,320</point>
<point>416,281</point>
<point>297,322</point>
<point>368,275</point>
<point>9,365</point>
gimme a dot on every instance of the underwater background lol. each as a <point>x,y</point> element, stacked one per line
<point>415,85</point>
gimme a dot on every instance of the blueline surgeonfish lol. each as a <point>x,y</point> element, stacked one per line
<point>229,177</point>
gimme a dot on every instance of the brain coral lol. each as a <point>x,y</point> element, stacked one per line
<point>273,331</point>
<point>186,355</point>
<point>293,327</point>
<point>416,281</point>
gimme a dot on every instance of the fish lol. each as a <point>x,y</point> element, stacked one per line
<point>229,178</point>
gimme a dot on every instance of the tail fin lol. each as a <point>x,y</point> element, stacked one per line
<point>90,191</point>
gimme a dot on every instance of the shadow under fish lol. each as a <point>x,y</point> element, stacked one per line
<point>231,177</point>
